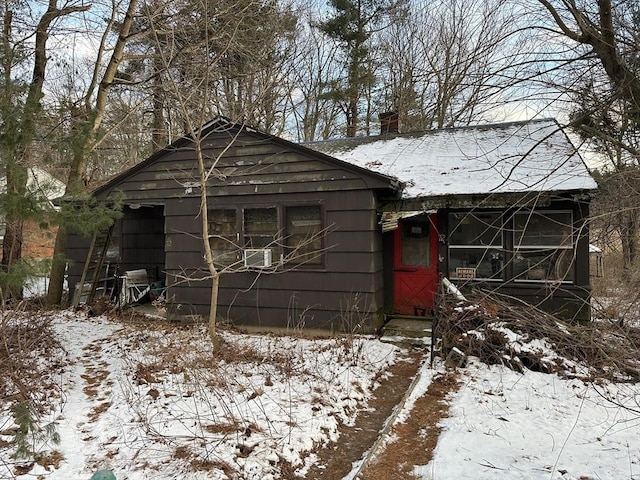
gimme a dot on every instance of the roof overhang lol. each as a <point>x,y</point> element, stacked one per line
<point>389,220</point>
<point>483,200</point>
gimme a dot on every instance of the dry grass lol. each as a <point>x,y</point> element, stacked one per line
<point>29,354</point>
<point>417,438</point>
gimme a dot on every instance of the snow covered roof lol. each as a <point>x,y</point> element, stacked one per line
<point>531,156</point>
<point>39,182</point>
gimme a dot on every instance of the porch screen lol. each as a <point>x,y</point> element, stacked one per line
<point>475,245</point>
<point>303,234</point>
<point>543,246</point>
<point>223,236</point>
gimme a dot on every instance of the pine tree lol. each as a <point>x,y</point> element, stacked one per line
<point>20,111</point>
<point>352,25</point>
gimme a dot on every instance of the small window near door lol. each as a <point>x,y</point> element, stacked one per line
<point>223,236</point>
<point>416,247</point>
<point>303,234</point>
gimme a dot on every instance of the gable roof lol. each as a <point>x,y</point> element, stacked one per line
<point>516,157</point>
<point>224,127</point>
<point>40,183</point>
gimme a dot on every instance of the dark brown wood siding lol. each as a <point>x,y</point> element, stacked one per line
<point>345,293</point>
<point>77,247</point>
<point>253,165</point>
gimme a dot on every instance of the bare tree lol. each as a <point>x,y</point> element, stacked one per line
<point>609,34</point>
<point>239,65</point>
<point>448,63</point>
<point>596,67</point>
<point>312,73</point>
<point>610,128</point>
<point>593,60</point>
<point>87,118</point>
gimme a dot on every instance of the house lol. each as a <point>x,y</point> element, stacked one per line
<point>336,234</point>
<point>41,185</point>
<point>502,207</point>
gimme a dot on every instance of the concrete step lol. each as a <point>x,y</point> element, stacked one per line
<point>410,327</point>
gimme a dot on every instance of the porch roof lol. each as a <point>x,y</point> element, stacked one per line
<point>516,157</point>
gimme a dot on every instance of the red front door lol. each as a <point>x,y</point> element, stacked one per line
<point>415,265</point>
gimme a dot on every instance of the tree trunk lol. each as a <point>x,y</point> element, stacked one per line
<point>75,184</point>
<point>16,167</point>
<point>159,138</point>
<point>352,118</point>
<point>208,253</point>
<point>16,176</point>
<point>628,238</point>
<point>58,267</point>
<point>86,125</point>
<point>159,133</point>
<point>213,309</point>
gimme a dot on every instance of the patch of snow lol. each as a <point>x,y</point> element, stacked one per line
<point>153,401</point>
<point>37,287</point>
<point>158,401</point>
<point>537,426</point>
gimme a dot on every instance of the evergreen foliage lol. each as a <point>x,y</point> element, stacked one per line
<point>30,435</point>
<point>86,215</point>
<point>352,25</point>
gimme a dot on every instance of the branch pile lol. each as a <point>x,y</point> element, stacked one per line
<point>523,337</point>
<point>29,351</point>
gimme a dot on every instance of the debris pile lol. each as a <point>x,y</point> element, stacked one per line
<point>520,337</point>
<point>29,350</point>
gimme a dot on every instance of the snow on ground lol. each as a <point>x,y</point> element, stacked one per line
<point>37,287</point>
<point>505,424</point>
<point>154,401</point>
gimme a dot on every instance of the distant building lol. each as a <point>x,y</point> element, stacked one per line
<point>39,183</point>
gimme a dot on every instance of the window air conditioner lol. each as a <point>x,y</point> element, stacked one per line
<point>257,257</point>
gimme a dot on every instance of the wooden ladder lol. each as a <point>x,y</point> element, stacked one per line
<point>92,273</point>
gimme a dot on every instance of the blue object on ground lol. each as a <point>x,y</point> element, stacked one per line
<point>103,475</point>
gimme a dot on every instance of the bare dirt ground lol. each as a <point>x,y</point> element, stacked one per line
<point>415,439</point>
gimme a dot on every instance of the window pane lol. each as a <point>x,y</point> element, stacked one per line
<point>467,263</point>
<point>260,227</point>
<point>222,236</point>
<point>475,228</point>
<point>540,229</point>
<point>544,264</point>
<point>416,246</point>
<point>303,234</point>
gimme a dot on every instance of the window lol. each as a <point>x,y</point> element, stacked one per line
<point>543,246</point>
<point>416,247</point>
<point>260,227</point>
<point>297,229</point>
<point>475,245</point>
<point>223,236</point>
<point>303,234</point>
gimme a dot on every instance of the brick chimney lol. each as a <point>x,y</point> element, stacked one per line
<point>389,123</point>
